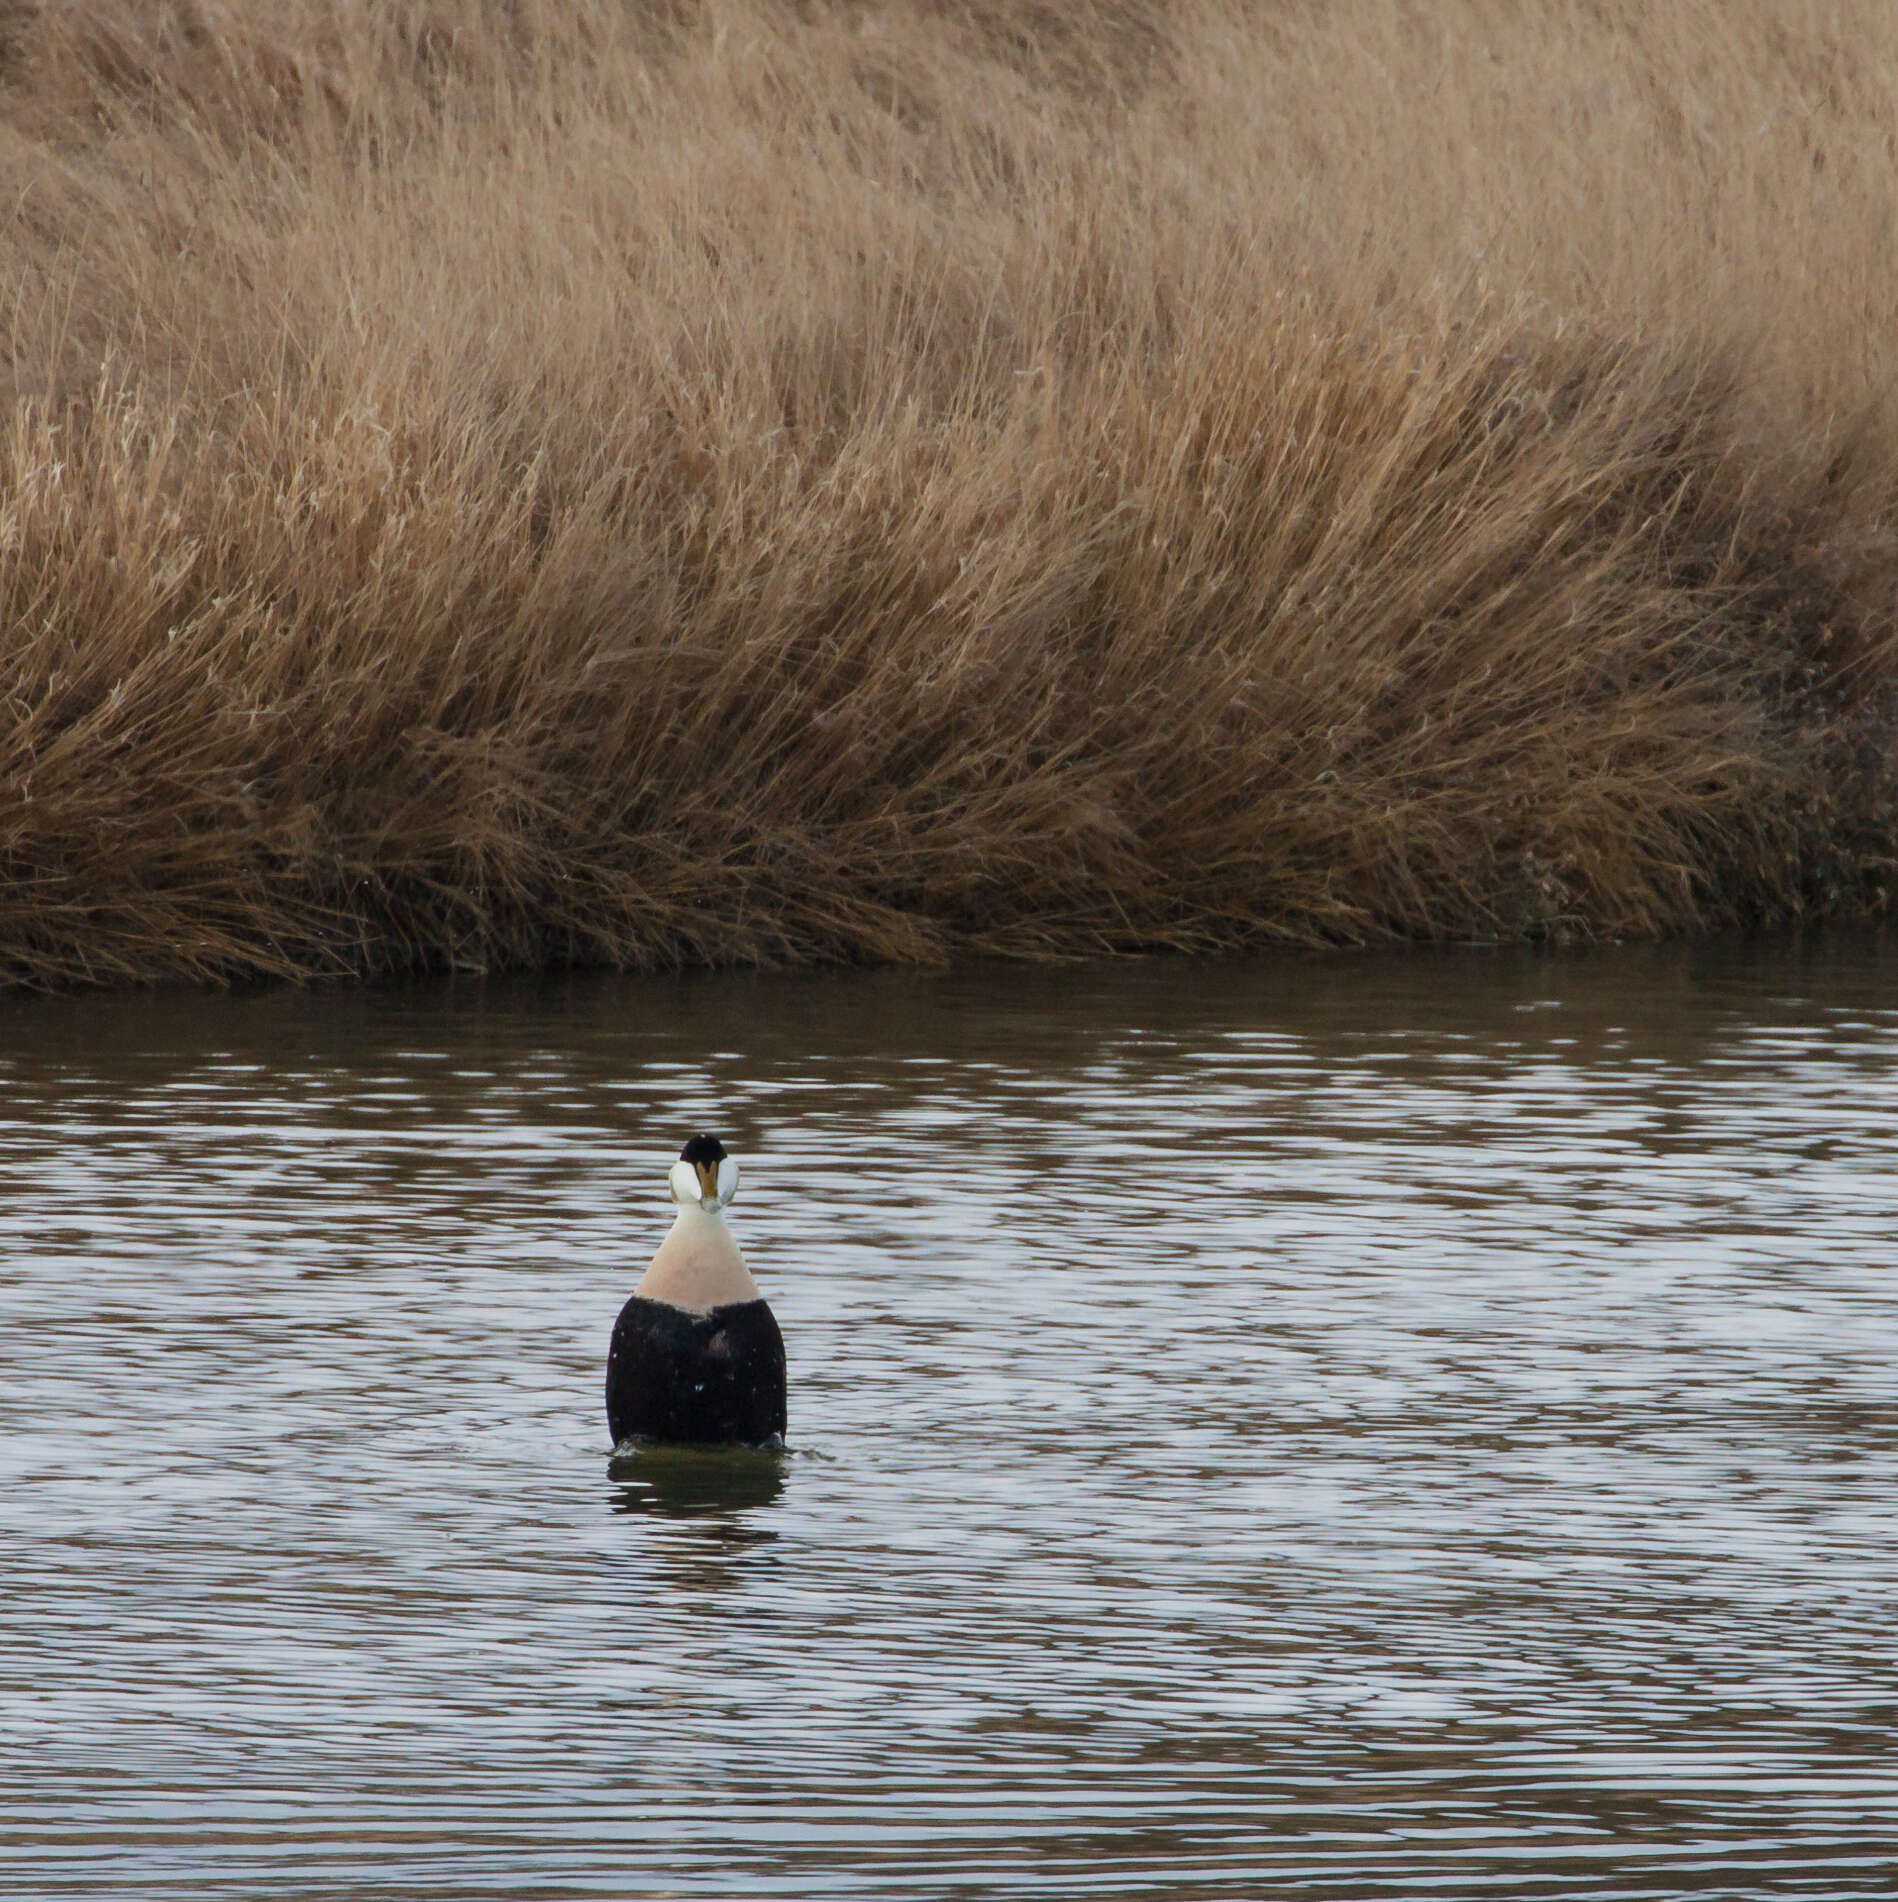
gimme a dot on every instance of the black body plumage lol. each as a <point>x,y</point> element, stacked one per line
<point>678,1376</point>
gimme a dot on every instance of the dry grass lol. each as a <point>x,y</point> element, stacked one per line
<point>491,485</point>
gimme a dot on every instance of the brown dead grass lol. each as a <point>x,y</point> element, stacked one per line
<point>523,483</point>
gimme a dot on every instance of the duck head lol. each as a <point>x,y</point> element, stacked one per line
<point>704,1177</point>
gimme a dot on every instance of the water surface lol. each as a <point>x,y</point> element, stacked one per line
<point>1385,1427</point>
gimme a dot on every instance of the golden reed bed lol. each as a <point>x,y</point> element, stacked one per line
<point>491,485</point>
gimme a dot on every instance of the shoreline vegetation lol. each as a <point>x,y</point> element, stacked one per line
<point>509,484</point>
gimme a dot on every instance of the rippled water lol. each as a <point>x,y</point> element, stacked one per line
<point>1377,1428</point>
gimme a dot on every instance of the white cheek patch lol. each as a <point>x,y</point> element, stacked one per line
<point>728,1178</point>
<point>684,1182</point>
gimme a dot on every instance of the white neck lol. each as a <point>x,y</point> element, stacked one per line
<point>698,1266</point>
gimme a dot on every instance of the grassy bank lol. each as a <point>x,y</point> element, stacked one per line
<point>546,482</point>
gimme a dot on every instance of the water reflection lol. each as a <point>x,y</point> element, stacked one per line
<point>1352,1427</point>
<point>696,1482</point>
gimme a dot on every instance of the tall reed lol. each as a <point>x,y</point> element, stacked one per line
<point>542,481</point>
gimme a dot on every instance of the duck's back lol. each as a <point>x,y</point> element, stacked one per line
<point>672,1374</point>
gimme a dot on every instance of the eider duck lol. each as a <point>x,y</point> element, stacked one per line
<point>696,1353</point>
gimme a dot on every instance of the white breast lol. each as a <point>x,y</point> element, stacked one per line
<point>698,1266</point>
